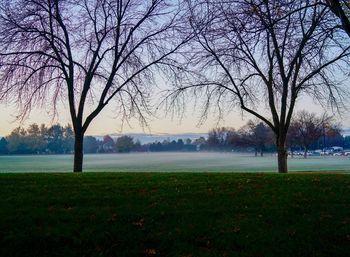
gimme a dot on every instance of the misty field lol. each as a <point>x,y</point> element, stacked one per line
<point>170,162</point>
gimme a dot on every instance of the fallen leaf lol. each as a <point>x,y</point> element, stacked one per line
<point>139,223</point>
<point>150,251</point>
<point>236,229</point>
<point>114,217</point>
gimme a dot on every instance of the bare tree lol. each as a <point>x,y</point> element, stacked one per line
<point>259,135</point>
<point>331,132</point>
<point>307,128</point>
<point>217,137</point>
<point>257,54</point>
<point>85,52</point>
<point>292,140</point>
<point>222,138</point>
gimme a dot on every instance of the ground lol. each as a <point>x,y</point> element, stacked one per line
<point>174,214</point>
<point>173,162</point>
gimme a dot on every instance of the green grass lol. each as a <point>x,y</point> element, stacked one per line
<point>170,162</point>
<point>174,214</point>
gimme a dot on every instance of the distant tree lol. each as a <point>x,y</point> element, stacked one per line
<point>347,142</point>
<point>172,146</point>
<point>3,146</point>
<point>217,138</point>
<point>107,139</point>
<point>90,144</point>
<point>68,141</point>
<point>138,146</point>
<point>200,141</point>
<point>213,138</point>
<point>180,144</point>
<point>293,139</point>
<point>257,135</point>
<point>156,147</point>
<point>307,128</point>
<point>124,144</point>
<point>332,134</point>
<point>188,146</point>
<point>35,138</point>
<point>17,143</point>
<point>244,137</point>
<point>108,144</point>
<point>188,141</point>
<point>55,139</point>
<point>166,142</point>
<point>221,138</point>
<point>232,138</point>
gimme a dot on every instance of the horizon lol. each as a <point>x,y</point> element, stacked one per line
<point>107,123</point>
<point>145,137</point>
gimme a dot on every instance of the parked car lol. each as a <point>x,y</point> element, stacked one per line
<point>311,153</point>
<point>338,154</point>
<point>298,153</point>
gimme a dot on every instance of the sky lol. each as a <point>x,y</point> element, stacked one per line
<point>107,123</point>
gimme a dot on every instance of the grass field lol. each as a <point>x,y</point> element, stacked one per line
<point>170,162</point>
<point>174,214</point>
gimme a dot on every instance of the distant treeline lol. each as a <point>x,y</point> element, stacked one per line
<point>38,140</point>
<point>307,132</point>
<point>258,138</point>
<point>58,139</point>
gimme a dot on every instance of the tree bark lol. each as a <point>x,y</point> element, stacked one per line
<point>78,152</point>
<point>282,155</point>
<point>337,9</point>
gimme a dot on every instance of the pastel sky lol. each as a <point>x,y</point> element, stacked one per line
<point>107,122</point>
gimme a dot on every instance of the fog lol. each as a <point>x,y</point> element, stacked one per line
<point>169,162</point>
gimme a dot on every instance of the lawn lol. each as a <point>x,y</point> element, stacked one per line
<point>170,162</point>
<point>174,214</point>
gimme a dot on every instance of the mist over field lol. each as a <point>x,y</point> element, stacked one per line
<point>159,137</point>
<point>170,162</point>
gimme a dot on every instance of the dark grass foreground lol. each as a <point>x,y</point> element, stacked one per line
<point>174,215</point>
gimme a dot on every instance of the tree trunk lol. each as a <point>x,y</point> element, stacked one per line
<point>282,161</point>
<point>261,153</point>
<point>282,154</point>
<point>78,152</point>
<point>305,153</point>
